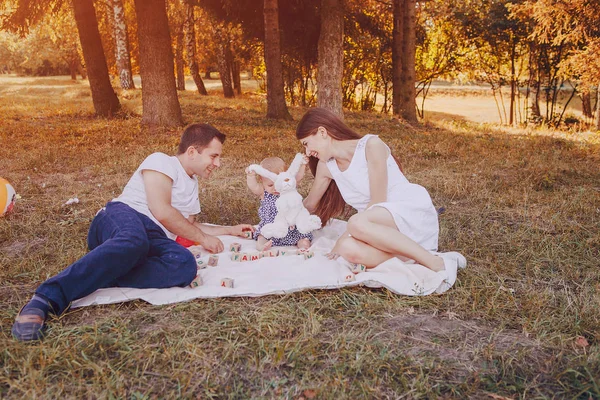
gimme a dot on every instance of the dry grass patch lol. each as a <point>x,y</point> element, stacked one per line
<point>524,207</point>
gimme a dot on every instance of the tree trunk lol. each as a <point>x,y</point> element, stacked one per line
<point>397,35</point>
<point>122,58</point>
<point>229,62</point>
<point>598,107</point>
<point>237,81</point>
<point>511,119</point>
<point>104,98</point>
<point>179,65</point>
<point>222,58</point>
<point>190,44</point>
<point>276,107</point>
<point>331,57</point>
<point>408,105</point>
<point>586,104</point>
<point>159,94</point>
<point>535,104</point>
<point>73,65</point>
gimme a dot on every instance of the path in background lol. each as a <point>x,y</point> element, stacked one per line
<point>444,102</point>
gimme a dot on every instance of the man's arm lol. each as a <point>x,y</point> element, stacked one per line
<point>158,194</point>
<point>236,230</point>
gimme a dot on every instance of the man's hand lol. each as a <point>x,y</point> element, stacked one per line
<point>213,244</point>
<point>241,229</point>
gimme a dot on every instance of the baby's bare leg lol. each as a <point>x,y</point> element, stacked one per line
<point>263,244</point>
<point>303,243</point>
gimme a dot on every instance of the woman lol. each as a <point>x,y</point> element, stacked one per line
<point>395,217</point>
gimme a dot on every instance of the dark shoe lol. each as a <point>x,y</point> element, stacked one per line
<point>29,325</point>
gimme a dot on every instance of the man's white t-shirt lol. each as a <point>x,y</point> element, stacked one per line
<point>184,192</point>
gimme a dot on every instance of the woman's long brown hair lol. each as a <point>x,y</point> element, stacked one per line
<point>332,203</point>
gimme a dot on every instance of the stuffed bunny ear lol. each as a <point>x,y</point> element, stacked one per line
<point>265,173</point>
<point>295,165</point>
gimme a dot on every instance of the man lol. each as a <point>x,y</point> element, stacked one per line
<point>131,240</point>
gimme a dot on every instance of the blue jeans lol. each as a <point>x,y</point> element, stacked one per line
<point>127,249</point>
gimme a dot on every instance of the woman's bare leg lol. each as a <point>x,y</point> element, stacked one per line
<point>358,252</point>
<point>376,227</point>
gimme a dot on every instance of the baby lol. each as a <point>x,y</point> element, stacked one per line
<point>267,211</point>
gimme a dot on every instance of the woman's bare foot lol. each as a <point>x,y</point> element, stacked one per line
<point>263,244</point>
<point>437,264</point>
<point>303,243</point>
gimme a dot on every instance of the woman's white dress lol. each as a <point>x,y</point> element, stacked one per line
<point>409,203</point>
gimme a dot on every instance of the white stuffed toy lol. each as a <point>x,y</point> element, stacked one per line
<point>290,210</point>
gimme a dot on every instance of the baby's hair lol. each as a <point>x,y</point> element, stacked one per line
<point>274,164</point>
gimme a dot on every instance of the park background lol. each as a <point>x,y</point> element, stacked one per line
<point>492,105</point>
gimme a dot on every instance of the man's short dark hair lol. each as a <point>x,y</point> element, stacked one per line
<point>199,136</point>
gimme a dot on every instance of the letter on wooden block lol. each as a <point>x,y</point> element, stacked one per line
<point>227,282</point>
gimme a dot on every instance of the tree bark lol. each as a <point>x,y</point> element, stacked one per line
<point>513,83</point>
<point>122,57</point>
<point>397,39</point>
<point>104,97</point>
<point>331,57</point>
<point>586,104</point>
<point>159,94</point>
<point>276,107</point>
<point>237,81</point>
<point>179,64</point>
<point>598,106</point>
<point>408,105</point>
<point>190,44</point>
<point>223,65</point>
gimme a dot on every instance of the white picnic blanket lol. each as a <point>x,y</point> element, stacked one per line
<point>286,274</point>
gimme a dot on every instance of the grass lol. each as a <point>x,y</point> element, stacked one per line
<point>523,206</point>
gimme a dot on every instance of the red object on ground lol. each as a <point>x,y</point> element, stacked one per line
<point>185,242</point>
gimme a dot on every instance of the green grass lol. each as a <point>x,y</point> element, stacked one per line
<point>523,206</point>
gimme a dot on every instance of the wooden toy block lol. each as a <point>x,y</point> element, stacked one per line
<point>196,250</point>
<point>349,278</point>
<point>357,268</point>
<point>196,282</point>
<point>308,254</point>
<point>227,282</point>
<point>235,247</point>
<point>201,263</point>
<point>244,257</point>
<point>286,252</point>
<point>255,256</point>
<point>247,234</point>
<point>213,260</point>
<point>236,256</point>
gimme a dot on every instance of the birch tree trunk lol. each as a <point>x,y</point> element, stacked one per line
<point>179,64</point>
<point>122,56</point>
<point>190,45</point>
